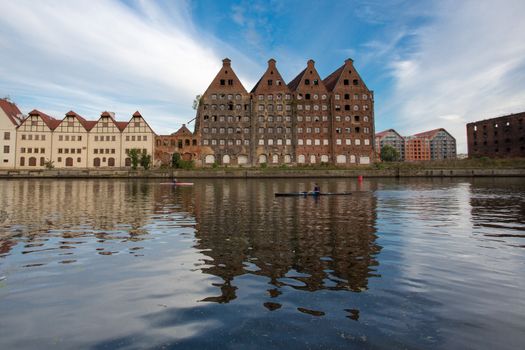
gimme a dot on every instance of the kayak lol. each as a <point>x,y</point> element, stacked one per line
<point>292,194</point>
<point>177,183</point>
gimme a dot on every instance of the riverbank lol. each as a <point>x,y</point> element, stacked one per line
<point>266,173</point>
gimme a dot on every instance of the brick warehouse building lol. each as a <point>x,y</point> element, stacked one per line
<point>497,137</point>
<point>308,121</point>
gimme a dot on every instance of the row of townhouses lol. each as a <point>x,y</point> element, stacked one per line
<point>437,144</point>
<point>307,121</point>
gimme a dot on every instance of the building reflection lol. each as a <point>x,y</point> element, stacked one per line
<point>305,243</point>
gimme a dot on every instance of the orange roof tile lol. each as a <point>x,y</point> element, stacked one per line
<point>12,111</point>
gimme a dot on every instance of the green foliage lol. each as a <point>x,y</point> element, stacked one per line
<point>134,155</point>
<point>389,154</point>
<point>264,165</point>
<point>49,164</point>
<point>178,163</point>
<point>215,165</point>
<point>145,161</point>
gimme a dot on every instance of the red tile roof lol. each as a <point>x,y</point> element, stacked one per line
<point>12,111</point>
<point>87,124</point>
<point>121,125</point>
<point>51,122</point>
<point>137,114</point>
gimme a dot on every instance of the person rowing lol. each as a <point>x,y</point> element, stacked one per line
<point>174,181</point>
<point>317,189</point>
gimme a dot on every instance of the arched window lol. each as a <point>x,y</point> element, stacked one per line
<point>96,162</point>
<point>69,161</point>
<point>32,161</point>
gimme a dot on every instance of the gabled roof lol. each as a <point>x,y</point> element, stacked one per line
<point>12,111</point>
<point>386,132</point>
<point>138,115</point>
<point>348,70</point>
<point>183,130</point>
<point>308,73</point>
<point>431,133</point>
<point>295,81</point>
<point>87,124</point>
<point>51,122</point>
<point>226,73</point>
<point>272,73</point>
<point>121,125</point>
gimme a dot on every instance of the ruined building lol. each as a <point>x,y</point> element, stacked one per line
<point>308,121</point>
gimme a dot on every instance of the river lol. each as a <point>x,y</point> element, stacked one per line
<point>224,264</point>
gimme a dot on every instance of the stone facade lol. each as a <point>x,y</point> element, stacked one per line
<point>308,121</point>
<point>497,137</point>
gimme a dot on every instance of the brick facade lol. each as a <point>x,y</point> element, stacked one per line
<point>497,137</point>
<point>308,121</point>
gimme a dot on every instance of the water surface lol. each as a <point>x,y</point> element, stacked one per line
<point>105,264</point>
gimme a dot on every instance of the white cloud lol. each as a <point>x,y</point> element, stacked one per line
<point>469,65</point>
<point>92,56</point>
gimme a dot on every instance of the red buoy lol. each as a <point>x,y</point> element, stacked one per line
<point>360,178</point>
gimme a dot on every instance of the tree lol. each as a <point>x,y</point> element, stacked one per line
<point>196,102</point>
<point>389,154</point>
<point>145,161</point>
<point>134,155</point>
<point>175,160</point>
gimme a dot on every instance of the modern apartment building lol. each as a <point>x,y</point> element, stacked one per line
<point>441,143</point>
<point>497,137</point>
<point>308,121</point>
<point>392,138</point>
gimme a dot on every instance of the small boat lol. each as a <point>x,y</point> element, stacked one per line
<point>177,183</point>
<point>304,194</point>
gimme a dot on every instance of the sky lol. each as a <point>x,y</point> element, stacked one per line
<point>431,64</point>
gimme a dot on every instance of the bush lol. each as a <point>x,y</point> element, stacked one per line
<point>145,161</point>
<point>389,154</point>
<point>134,155</point>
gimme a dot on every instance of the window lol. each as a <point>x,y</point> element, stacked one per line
<point>346,82</point>
<point>7,135</point>
<point>316,82</point>
<point>270,82</point>
<point>246,142</point>
<point>307,96</point>
<point>307,82</point>
<point>223,82</point>
<point>356,82</point>
<point>6,149</point>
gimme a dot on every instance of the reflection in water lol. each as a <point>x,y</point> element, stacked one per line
<point>419,263</point>
<point>303,243</point>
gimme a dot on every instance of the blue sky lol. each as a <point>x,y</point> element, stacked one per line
<point>431,63</point>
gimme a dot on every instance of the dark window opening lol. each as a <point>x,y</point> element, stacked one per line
<point>347,96</point>
<point>230,106</point>
<point>230,82</point>
<point>223,82</point>
<point>347,107</point>
<point>307,82</point>
<point>194,142</point>
<point>187,142</point>
<point>307,96</point>
<point>346,82</point>
<point>357,130</point>
<point>356,118</point>
<point>356,82</point>
<point>316,82</point>
<point>270,82</point>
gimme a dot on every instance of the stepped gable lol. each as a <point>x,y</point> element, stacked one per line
<point>12,111</point>
<point>273,77</point>
<point>345,72</point>
<point>183,130</point>
<point>308,80</point>
<point>51,122</point>
<point>226,80</point>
